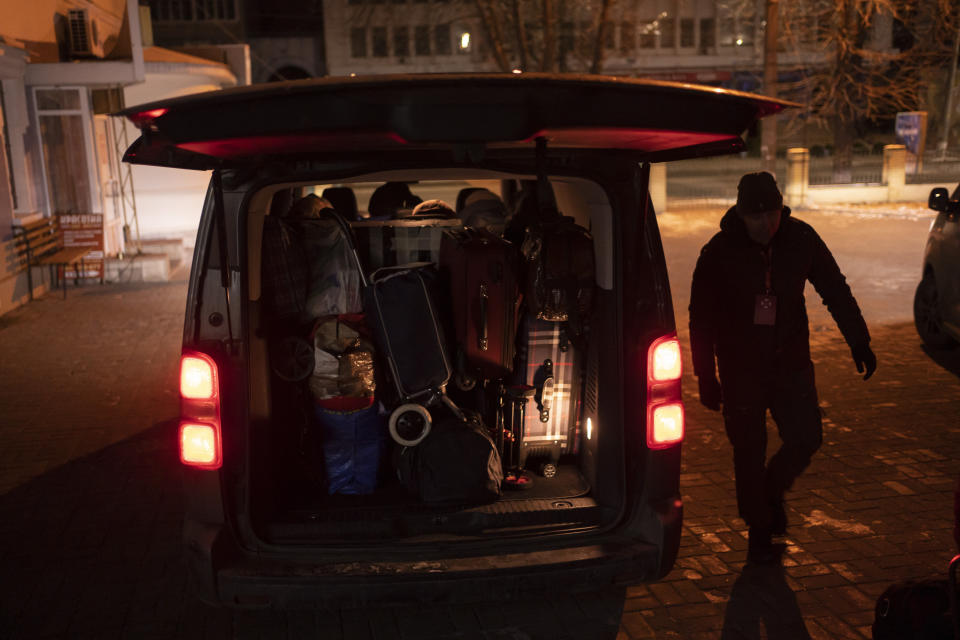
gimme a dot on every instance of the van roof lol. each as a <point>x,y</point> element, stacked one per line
<point>658,120</point>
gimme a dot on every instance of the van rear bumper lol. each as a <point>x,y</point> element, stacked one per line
<point>288,584</point>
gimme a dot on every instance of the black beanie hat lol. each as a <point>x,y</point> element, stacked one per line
<point>758,192</point>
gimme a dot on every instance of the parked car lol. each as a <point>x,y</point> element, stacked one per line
<point>936,304</point>
<point>602,506</point>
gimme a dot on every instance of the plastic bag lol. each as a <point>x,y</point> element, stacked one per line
<point>343,359</point>
<point>334,284</point>
<point>353,445</point>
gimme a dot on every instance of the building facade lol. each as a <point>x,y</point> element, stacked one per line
<point>708,41</point>
<point>65,65</point>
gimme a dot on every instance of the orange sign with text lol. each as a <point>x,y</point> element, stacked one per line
<point>84,230</point>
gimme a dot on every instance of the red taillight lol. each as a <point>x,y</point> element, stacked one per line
<point>665,360</point>
<point>200,445</point>
<point>198,377</point>
<point>200,437</point>
<point>665,419</point>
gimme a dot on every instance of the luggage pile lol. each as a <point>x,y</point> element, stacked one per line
<point>467,361</point>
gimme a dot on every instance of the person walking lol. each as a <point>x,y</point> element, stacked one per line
<point>748,321</point>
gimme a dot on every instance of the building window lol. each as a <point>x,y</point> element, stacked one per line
<point>58,100</point>
<point>687,33</point>
<point>401,42</point>
<point>667,37</point>
<point>60,118</point>
<point>648,35</point>
<point>421,40</point>
<point>628,37</point>
<point>441,34</point>
<point>190,10</point>
<point>379,42</point>
<point>737,23</point>
<point>358,42</point>
<point>708,35</point>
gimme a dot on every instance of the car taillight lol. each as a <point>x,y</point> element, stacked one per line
<point>665,419</point>
<point>200,437</point>
<point>198,375</point>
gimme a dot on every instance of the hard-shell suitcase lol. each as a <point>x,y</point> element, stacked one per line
<point>401,303</point>
<point>481,270</point>
<point>551,364</point>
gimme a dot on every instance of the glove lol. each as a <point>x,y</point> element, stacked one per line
<point>709,392</point>
<point>864,359</point>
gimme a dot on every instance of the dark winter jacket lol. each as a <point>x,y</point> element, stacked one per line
<point>731,272</point>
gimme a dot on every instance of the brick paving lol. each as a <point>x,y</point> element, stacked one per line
<point>874,507</point>
<point>90,500</point>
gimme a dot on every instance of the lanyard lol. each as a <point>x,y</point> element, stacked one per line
<point>768,264</point>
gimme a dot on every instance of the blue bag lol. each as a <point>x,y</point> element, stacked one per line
<point>353,445</point>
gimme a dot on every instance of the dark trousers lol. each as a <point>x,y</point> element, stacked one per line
<point>791,398</point>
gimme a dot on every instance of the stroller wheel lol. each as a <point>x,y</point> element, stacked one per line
<point>409,424</point>
<point>293,359</point>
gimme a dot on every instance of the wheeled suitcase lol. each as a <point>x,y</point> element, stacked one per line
<point>481,271</point>
<point>402,308</point>
<point>551,364</point>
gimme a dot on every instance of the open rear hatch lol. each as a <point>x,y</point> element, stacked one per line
<point>659,120</point>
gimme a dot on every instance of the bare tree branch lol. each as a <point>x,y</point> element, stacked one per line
<point>602,24</point>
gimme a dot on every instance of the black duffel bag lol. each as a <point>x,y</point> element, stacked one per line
<point>456,463</point>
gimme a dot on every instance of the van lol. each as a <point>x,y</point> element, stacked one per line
<point>260,529</point>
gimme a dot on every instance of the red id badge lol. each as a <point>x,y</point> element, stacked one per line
<point>765,311</point>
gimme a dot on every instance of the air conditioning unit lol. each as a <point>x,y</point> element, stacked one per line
<point>85,41</point>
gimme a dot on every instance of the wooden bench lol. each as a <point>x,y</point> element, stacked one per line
<point>40,243</point>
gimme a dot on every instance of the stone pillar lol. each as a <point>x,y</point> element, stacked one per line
<point>798,176</point>
<point>658,186</point>
<point>894,170</point>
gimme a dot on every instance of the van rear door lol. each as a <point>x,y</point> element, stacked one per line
<point>658,120</point>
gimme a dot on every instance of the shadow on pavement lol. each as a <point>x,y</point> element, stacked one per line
<point>761,597</point>
<point>92,548</point>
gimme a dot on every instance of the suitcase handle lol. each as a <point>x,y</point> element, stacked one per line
<point>546,391</point>
<point>482,336</point>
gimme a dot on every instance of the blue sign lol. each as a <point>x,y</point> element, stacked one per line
<point>909,130</point>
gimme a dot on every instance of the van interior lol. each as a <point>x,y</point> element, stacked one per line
<point>289,491</point>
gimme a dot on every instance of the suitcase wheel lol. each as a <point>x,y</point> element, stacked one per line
<point>409,424</point>
<point>548,470</point>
